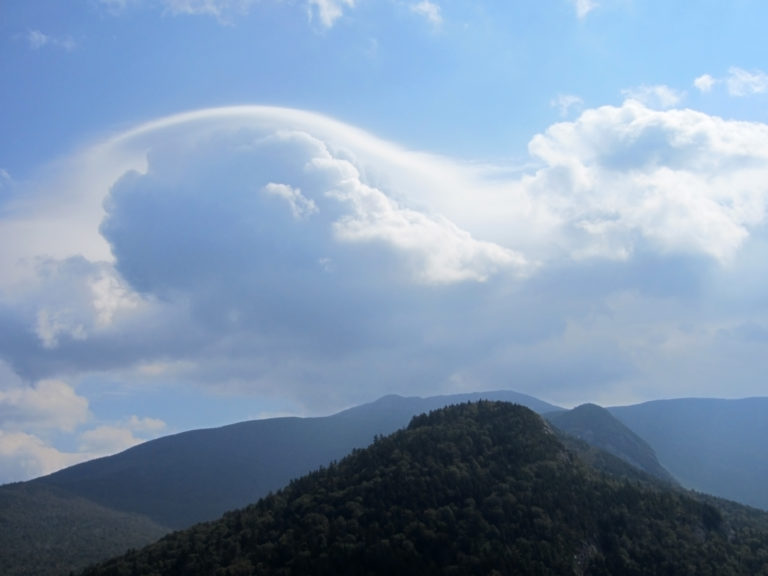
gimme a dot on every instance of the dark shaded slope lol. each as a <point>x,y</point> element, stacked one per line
<point>45,531</point>
<point>711,445</point>
<point>482,488</point>
<point>195,476</point>
<point>598,427</point>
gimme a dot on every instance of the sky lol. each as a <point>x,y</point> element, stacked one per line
<point>219,210</point>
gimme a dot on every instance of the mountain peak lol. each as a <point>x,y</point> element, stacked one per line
<point>477,488</point>
<point>598,427</point>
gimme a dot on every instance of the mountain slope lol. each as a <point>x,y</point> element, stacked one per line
<point>482,488</point>
<point>46,531</point>
<point>195,476</point>
<point>190,477</point>
<point>710,445</point>
<point>598,427</point>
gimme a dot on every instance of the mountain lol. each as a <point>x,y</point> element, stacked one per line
<point>598,427</point>
<point>198,475</point>
<point>711,445</point>
<point>483,488</point>
<point>176,481</point>
<point>47,531</point>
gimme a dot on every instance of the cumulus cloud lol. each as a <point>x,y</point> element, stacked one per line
<point>679,179</point>
<point>110,439</point>
<point>29,413</point>
<point>301,206</point>
<point>739,82</point>
<point>24,456</point>
<point>428,10</point>
<point>705,83</point>
<point>266,250</point>
<point>45,405</point>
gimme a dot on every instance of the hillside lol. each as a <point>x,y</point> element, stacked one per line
<point>47,531</point>
<point>710,445</point>
<point>598,427</point>
<point>483,488</point>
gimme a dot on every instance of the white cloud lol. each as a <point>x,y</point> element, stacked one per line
<point>112,438</point>
<point>328,11</point>
<point>584,7</point>
<point>655,96</point>
<point>441,251</point>
<point>705,83</point>
<point>38,40</point>
<point>429,10</point>
<point>742,82</point>
<point>301,206</point>
<point>24,456</point>
<point>565,103</point>
<point>46,405</point>
<point>680,179</point>
<point>412,268</point>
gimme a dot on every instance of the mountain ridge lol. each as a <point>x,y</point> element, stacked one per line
<point>216,470</point>
<point>474,488</point>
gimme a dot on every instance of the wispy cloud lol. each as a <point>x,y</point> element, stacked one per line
<point>584,7</point>
<point>328,11</point>
<point>705,83</point>
<point>428,10</point>
<point>566,103</point>
<point>742,82</point>
<point>739,82</point>
<point>38,40</point>
<point>659,96</point>
<point>223,10</point>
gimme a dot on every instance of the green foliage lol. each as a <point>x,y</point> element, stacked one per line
<point>483,488</point>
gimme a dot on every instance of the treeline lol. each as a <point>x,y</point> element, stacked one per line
<point>484,488</point>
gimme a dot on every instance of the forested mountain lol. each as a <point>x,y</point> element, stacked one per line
<point>46,531</point>
<point>715,446</point>
<point>598,427</point>
<point>483,488</point>
<point>179,480</point>
<point>710,445</point>
<point>198,475</point>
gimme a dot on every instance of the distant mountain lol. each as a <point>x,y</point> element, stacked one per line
<point>195,476</point>
<point>47,531</point>
<point>598,427</point>
<point>482,488</point>
<point>714,446</point>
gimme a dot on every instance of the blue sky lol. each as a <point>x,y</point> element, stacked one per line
<point>214,210</point>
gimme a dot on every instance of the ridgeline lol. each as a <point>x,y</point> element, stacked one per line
<point>482,488</point>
